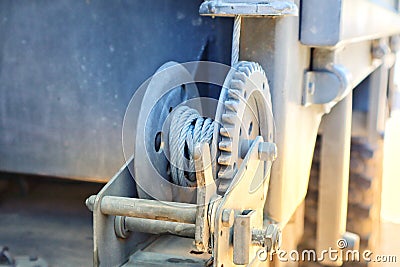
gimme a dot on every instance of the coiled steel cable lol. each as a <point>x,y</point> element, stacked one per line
<point>187,128</point>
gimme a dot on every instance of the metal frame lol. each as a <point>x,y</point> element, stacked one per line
<point>121,221</point>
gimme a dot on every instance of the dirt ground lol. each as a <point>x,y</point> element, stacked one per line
<point>47,218</point>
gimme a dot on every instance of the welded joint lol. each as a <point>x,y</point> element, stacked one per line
<point>327,86</point>
<point>230,8</point>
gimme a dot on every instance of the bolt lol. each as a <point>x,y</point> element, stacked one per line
<point>90,202</point>
<point>267,151</point>
<point>270,237</point>
<point>227,217</point>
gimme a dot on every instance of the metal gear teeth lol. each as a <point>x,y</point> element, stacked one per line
<point>227,131</point>
<point>226,145</point>
<point>232,105</point>
<point>225,158</point>
<point>237,84</point>
<point>241,76</point>
<point>224,185</point>
<point>229,118</point>
<point>246,70</point>
<point>226,172</point>
<point>235,96</point>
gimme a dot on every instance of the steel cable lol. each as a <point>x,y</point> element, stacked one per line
<point>186,130</point>
<point>236,40</point>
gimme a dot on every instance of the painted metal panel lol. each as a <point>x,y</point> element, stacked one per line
<point>68,69</point>
<point>336,22</point>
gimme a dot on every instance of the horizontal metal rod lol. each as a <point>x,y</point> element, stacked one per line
<point>159,227</point>
<point>149,209</point>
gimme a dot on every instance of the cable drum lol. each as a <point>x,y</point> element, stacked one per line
<point>187,128</point>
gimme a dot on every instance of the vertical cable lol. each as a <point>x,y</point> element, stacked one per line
<point>236,39</point>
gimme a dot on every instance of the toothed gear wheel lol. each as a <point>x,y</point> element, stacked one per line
<point>243,113</point>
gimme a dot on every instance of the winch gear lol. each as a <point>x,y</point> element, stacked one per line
<point>238,115</point>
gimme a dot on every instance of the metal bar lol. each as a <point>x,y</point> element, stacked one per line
<point>159,227</point>
<point>334,177</point>
<point>254,8</point>
<point>148,209</point>
<point>242,239</point>
<point>376,117</point>
<point>206,190</point>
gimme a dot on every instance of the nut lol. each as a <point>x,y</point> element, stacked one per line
<point>274,234</point>
<point>270,238</point>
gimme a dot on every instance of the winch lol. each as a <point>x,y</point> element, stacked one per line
<point>198,177</point>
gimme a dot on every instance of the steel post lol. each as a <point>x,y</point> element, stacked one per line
<point>334,177</point>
